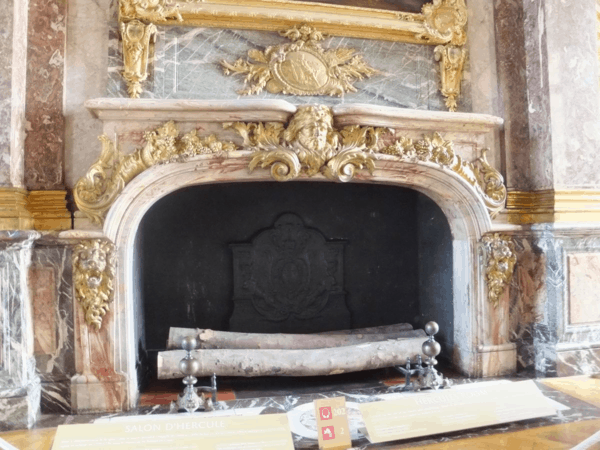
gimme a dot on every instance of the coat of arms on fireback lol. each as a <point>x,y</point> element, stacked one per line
<point>288,272</point>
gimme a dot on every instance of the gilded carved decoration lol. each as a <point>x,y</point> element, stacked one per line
<point>95,192</point>
<point>435,149</point>
<point>136,48</point>
<point>302,67</point>
<point>446,20</point>
<point>150,10</point>
<point>94,266</point>
<point>309,145</point>
<point>501,260</point>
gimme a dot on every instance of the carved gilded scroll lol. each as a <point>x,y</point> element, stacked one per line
<point>95,192</point>
<point>308,145</point>
<point>302,67</point>
<point>501,260</point>
<point>435,149</point>
<point>94,265</point>
<point>441,23</point>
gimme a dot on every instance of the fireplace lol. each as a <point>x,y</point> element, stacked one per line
<point>387,249</point>
<point>178,177</point>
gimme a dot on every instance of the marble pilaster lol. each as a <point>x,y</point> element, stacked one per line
<point>574,92</point>
<point>13,50</point>
<point>522,75</point>
<point>44,144</point>
<point>548,72</point>
<point>19,384</point>
<point>86,75</point>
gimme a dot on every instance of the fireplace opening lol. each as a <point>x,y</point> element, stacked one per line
<point>381,255</point>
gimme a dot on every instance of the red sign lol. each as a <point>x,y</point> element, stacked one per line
<point>328,433</point>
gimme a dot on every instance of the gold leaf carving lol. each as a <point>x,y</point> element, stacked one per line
<point>301,67</point>
<point>501,260</point>
<point>445,22</point>
<point>94,269</point>
<point>309,145</point>
<point>452,60</point>
<point>136,48</point>
<point>434,149</point>
<point>95,192</point>
<point>149,10</point>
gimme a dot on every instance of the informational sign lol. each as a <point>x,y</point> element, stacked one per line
<point>332,424</point>
<point>450,410</point>
<point>267,432</point>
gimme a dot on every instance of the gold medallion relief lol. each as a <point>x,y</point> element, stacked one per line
<point>302,67</point>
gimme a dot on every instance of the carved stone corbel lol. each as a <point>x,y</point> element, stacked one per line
<point>501,259</point>
<point>137,37</point>
<point>94,271</point>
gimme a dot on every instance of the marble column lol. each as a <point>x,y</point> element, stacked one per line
<point>13,49</point>
<point>19,383</point>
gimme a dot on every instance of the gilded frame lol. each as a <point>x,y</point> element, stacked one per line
<point>441,23</point>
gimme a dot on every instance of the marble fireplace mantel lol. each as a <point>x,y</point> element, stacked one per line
<point>482,345</point>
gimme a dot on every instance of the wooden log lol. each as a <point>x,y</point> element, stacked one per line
<point>375,330</point>
<point>226,339</point>
<point>255,363</point>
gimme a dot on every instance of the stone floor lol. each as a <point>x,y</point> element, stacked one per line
<point>572,425</point>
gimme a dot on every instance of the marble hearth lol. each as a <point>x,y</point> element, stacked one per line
<point>152,149</point>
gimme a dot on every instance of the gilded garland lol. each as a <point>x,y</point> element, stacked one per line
<point>501,260</point>
<point>302,67</point>
<point>94,270</point>
<point>308,145</point>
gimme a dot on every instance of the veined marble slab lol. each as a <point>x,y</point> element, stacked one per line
<point>186,64</point>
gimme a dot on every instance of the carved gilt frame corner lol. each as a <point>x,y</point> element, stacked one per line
<point>441,23</point>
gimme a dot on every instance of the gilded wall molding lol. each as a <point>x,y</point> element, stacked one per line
<point>39,210</point>
<point>548,206</point>
<point>49,210</point>
<point>501,259</point>
<point>95,192</point>
<point>301,67</point>
<point>94,267</point>
<point>14,214</point>
<point>441,23</point>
